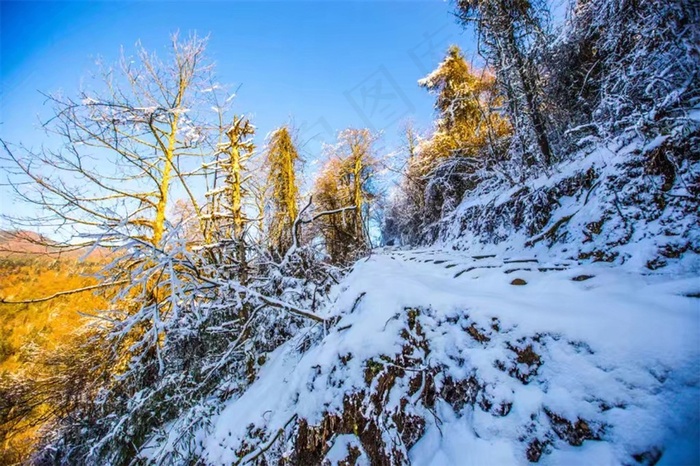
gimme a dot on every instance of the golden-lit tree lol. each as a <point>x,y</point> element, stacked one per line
<point>281,161</point>
<point>512,34</point>
<point>331,194</point>
<point>188,307</point>
<point>227,219</point>
<point>468,128</point>
<point>346,181</point>
<point>467,111</point>
<point>125,146</point>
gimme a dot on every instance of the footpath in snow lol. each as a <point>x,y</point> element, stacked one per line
<point>439,358</point>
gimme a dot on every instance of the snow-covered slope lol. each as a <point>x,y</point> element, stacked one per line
<point>438,358</point>
<point>610,202</point>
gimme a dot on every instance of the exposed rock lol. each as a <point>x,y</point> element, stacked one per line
<point>573,432</point>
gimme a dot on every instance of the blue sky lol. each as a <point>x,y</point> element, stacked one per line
<point>322,65</point>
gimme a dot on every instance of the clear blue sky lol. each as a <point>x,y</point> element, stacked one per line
<point>319,64</point>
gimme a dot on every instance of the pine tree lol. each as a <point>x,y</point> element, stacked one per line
<point>282,158</point>
<point>457,89</point>
<point>464,101</point>
<point>440,169</point>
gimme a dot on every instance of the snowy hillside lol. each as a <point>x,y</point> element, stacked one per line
<point>438,358</point>
<point>604,203</point>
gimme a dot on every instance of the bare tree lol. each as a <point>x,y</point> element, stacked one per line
<point>122,147</point>
<point>227,217</point>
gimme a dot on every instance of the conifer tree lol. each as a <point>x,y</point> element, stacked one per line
<point>440,168</point>
<point>457,89</point>
<point>465,101</point>
<point>281,160</point>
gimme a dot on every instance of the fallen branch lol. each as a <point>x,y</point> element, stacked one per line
<point>550,232</point>
<point>282,305</point>
<point>262,449</point>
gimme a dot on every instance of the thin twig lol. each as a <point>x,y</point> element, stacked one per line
<point>63,293</point>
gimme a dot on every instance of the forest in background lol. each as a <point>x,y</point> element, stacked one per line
<point>36,337</point>
<point>216,256</point>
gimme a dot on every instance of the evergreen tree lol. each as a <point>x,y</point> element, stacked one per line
<point>281,161</point>
<point>441,168</point>
<point>457,89</point>
<point>465,102</point>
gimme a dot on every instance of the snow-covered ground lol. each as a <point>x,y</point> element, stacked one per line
<point>493,359</point>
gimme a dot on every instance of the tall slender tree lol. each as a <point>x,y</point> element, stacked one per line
<point>282,159</point>
<point>227,217</point>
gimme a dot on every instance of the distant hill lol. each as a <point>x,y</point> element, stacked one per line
<point>24,241</point>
